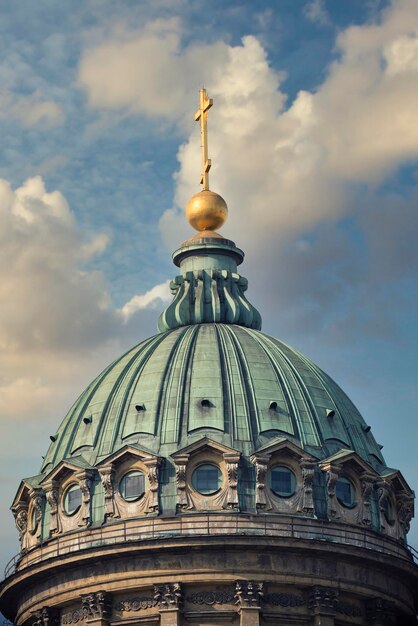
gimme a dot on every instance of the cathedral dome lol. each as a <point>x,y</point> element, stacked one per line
<point>208,464</point>
<point>233,384</point>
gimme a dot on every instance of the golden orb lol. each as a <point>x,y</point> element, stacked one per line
<point>206,210</point>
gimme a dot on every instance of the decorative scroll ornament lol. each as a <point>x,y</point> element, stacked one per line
<point>405,507</point>
<point>211,597</point>
<point>261,463</point>
<point>169,595</point>
<point>183,500</point>
<point>364,516</point>
<point>332,473</point>
<point>306,504</point>
<point>208,296</point>
<point>152,466</point>
<point>52,494</point>
<point>21,519</point>
<point>37,516</point>
<point>107,475</point>
<point>84,480</point>
<point>284,599</point>
<point>248,593</point>
<point>136,604</point>
<point>232,460</point>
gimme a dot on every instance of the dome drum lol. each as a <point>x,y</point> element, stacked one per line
<point>133,483</point>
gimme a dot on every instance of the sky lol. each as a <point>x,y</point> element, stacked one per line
<point>314,143</point>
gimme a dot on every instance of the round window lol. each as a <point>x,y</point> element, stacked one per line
<point>282,481</point>
<point>345,492</point>
<point>72,499</point>
<point>206,479</point>
<point>132,486</point>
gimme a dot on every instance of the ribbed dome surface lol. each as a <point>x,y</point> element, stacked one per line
<point>234,384</point>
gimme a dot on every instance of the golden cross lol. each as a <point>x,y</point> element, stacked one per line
<point>202,116</point>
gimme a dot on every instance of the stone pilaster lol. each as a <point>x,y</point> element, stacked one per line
<point>248,595</point>
<point>169,597</point>
<point>306,504</point>
<point>85,478</point>
<point>232,460</point>
<point>153,479</point>
<point>107,476</point>
<point>322,604</point>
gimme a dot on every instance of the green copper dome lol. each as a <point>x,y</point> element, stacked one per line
<point>236,385</point>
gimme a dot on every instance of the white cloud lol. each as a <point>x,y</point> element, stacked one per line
<point>316,12</point>
<point>147,71</point>
<point>155,297</point>
<point>30,110</point>
<point>57,324</point>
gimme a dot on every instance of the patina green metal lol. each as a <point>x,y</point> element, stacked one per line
<point>255,388</point>
<point>209,289</point>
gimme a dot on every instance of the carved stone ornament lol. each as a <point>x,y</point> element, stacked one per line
<point>216,596</point>
<point>323,600</point>
<point>20,513</point>
<point>405,508</point>
<point>168,595</point>
<point>306,504</point>
<point>332,473</point>
<point>45,617</point>
<point>136,604</point>
<point>84,480</point>
<point>183,500</point>
<point>52,495</point>
<point>248,593</point>
<point>152,467</point>
<point>37,507</point>
<point>96,605</point>
<point>232,461</point>
<point>261,463</point>
<point>107,476</point>
<point>380,612</point>
<point>364,517</point>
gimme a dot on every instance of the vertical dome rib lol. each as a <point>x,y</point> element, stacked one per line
<point>171,400</point>
<point>239,371</point>
<point>240,424</point>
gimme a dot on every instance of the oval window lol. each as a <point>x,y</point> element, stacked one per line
<point>345,492</point>
<point>72,499</point>
<point>132,486</point>
<point>206,479</point>
<point>282,481</point>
